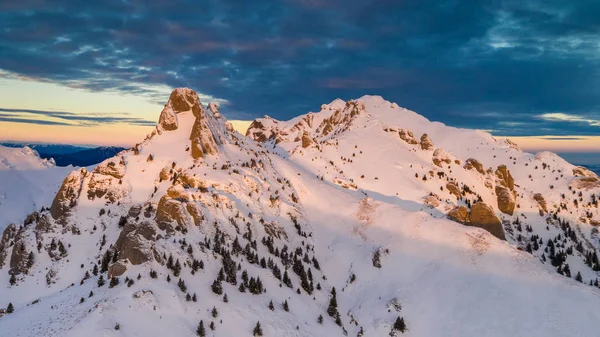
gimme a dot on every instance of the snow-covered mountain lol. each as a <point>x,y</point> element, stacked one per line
<point>27,182</point>
<point>362,219</point>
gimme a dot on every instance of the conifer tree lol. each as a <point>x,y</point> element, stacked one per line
<point>286,306</point>
<point>271,306</point>
<point>101,281</point>
<point>214,312</point>
<point>332,308</point>
<point>200,332</point>
<point>257,330</point>
<point>10,308</point>
<point>399,325</point>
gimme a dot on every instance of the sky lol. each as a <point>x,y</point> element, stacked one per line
<point>100,72</point>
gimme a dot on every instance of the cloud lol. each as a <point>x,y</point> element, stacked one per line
<point>563,117</point>
<point>516,59</point>
<point>68,118</point>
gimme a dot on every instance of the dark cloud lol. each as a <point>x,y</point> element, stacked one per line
<point>497,65</point>
<point>67,118</point>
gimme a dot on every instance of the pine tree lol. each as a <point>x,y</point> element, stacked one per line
<point>200,332</point>
<point>10,309</point>
<point>578,277</point>
<point>286,306</point>
<point>257,330</point>
<point>332,309</point>
<point>271,306</point>
<point>212,326</point>
<point>153,274</point>
<point>214,312</point>
<point>216,287</point>
<point>182,285</point>
<point>225,298</point>
<point>114,281</point>
<point>320,319</point>
<point>101,281</point>
<point>91,294</point>
<point>399,325</point>
<point>194,298</point>
<point>168,278</point>
<point>95,270</point>
<point>13,279</point>
<point>82,300</point>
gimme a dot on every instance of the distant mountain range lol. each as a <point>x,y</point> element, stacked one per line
<point>65,155</point>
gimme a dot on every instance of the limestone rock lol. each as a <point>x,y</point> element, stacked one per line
<point>203,141</point>
<point>440,156</point>
<point>185,99</point>
<point>117,269</point>
<point>407,136</point>
<point>453,189</point>
<point>585,183</point>
<point>459,214</point>
<point>539,198</point>
<point>18,257</point>
<point>165,173</point>
<point>135,211</point>
<point>114,167</point>
<point>472,163</point>
<point>67,195</point>
<point>306,141</point>
<point>483,216</point>
<point>426,143</point>
<point>9,234</point>
<point>506,200</point>
<point>505,178</point>
<point>580,171</point>
<point>168,119</point>
<point>135,243</point>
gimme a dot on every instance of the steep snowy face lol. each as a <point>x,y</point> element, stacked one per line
<point>362,219</point>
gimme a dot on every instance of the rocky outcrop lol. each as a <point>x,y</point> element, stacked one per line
<point>407,136</point>
<point>585,183</point>
<point>580,171</point>
<point>506,200</point>
<point>117,269</point>
<point>505,178</point>
<point>453,189</point>
<point>136,243</point>
<point>114,167</point>
<point>426,143</point>
<point>459,214</point>
<point>539,198</point>
<point>483,216</point>
<point>440,157</point>
<point>168,119</point>
<point>18,257</point>
<point>205,136</point>
<point>473,163</point>
<point>8,237</point>
<point>67,195</point>
<point>306,141</point>
<point>181,100</point>
<point>176,207</point>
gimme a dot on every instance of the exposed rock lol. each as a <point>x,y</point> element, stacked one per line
<point>440,156</point>
<point>31,218</point>
<point>407,136</point>
<point>306,141</point>
<point>202,138</point>
<point>541,202</point>
<point>506,200</point>
<point>104,186</point>
<point>274,229</point>
<point>431,200</point>
<point>165,173</point>
<point>483,216</point>
<point>472,163</point>
<point>580,171</point>
<point>453,189</point>
<point>191,181</point>
<point>135,211</point>
<point>459,214</point>
<point>51,276</point>
<point>168,119</point>
<point>426,143</point>
<point>43,224</point>
<point>177,206</point>
<point>9,234</point>
<point>585,183</point>
<point>18,258</point>
<point>113,167</point>
<point>117,269</point>
<point>505,178</point>
<point>135,243</point>
<point>67,195</point>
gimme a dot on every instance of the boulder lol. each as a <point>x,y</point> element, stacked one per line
<point>440,156</point>
<point>68,193</point>
<point>483,216</point>
<point>165,173</point>
<point>473,163</point>
<point>114,167</point>
<point>505,178</point>
<point>459,214</point>
<point>426,143</point>
<point>506,200</point>
<point>407,136</point>
<point>453,189</point>
<point>117,269</point>
<point>306,141</point>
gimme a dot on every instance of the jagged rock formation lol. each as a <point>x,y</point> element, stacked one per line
<point>8,237</point>
<point>440,156</point>
<point>459,214</point>
<point>453,188</point>
<point>306,141</point>
<point>483,216</point>
<point>426,143</point>
<point>506,200</point>
<point>67,195</point>
<point>407,136</point>
<point>472,163</point>
<point>539,198</point>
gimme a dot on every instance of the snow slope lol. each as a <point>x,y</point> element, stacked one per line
<point>27,183</point>
<point>339,198</point>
